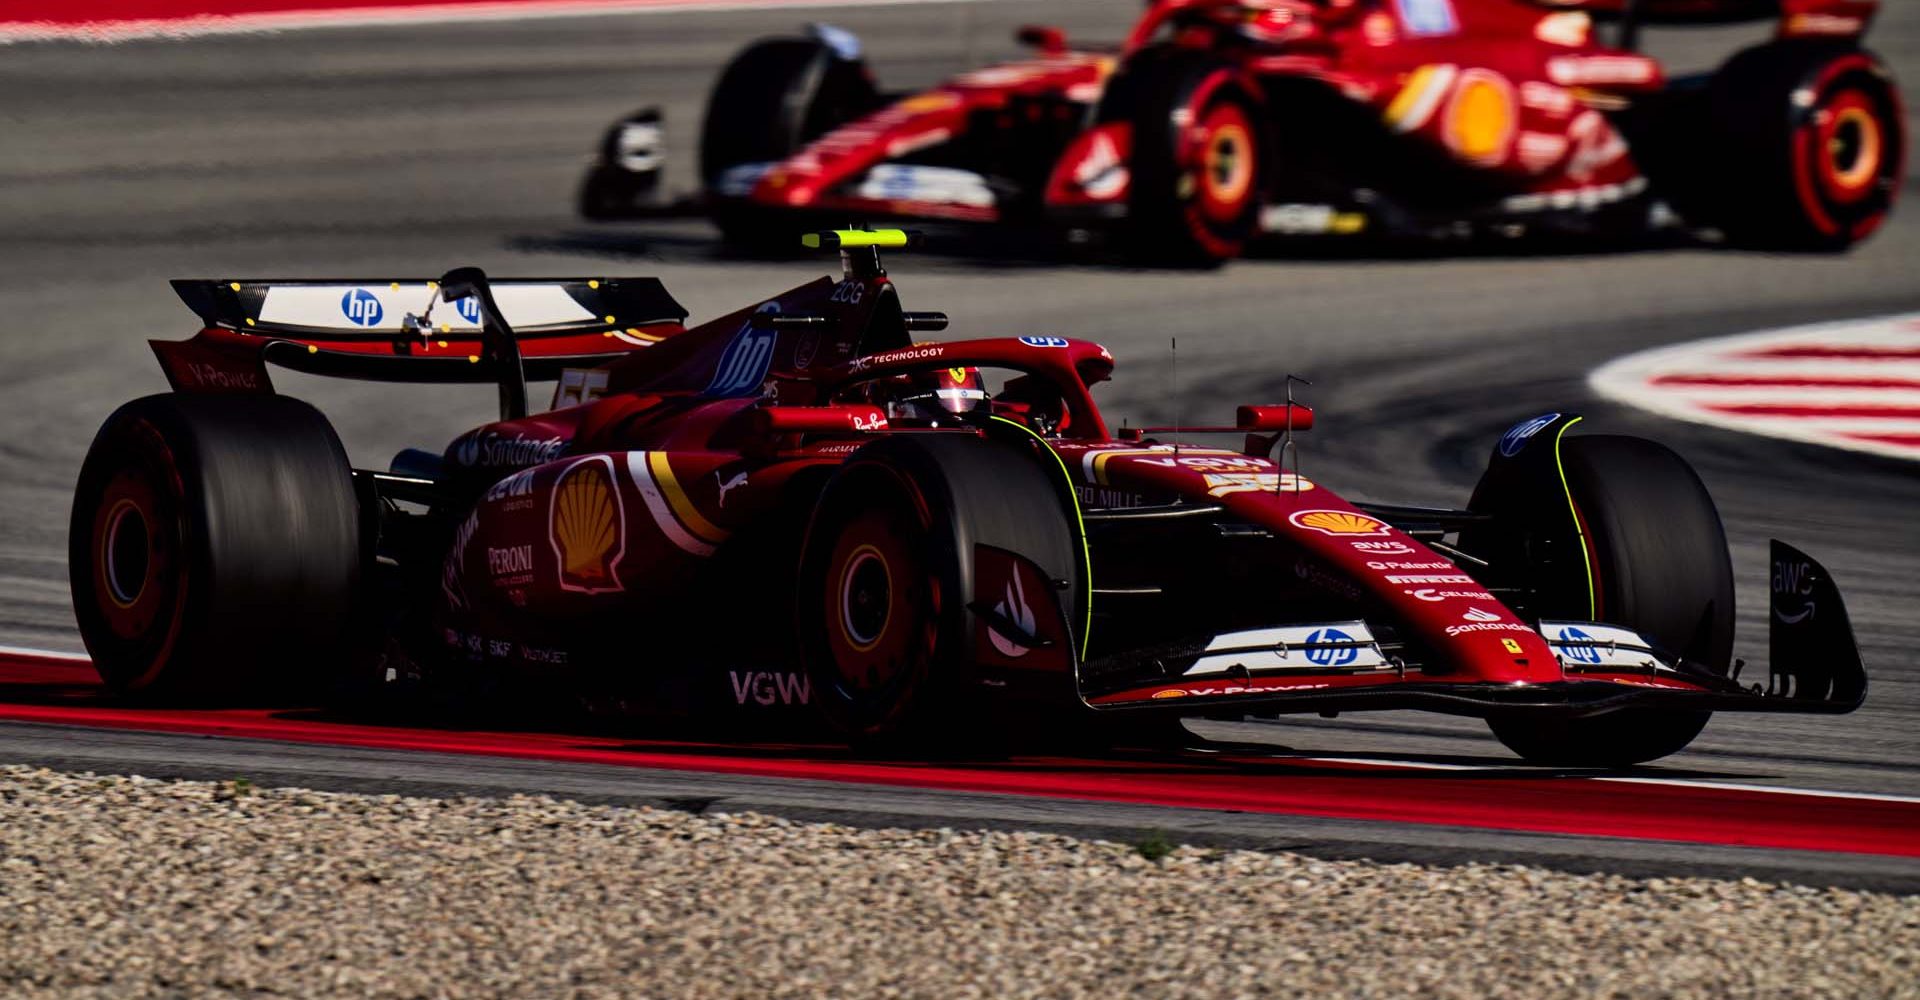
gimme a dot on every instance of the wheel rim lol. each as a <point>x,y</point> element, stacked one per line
<point>1851,147</point>
<point>1226,163</point>
<point>127,551</point>
<point>876,600</point>
<point>866,588</point>
<point>133,558</point>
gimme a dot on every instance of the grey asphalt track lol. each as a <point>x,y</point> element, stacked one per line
<point>404,151</point>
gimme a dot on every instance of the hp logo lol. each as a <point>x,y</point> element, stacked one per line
<point>1517,436</point>
<point>361,307</point>
<point>1585,654</point>
<point>1337,657</point>
<point>743,368</point>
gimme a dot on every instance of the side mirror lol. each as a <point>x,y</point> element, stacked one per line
<point>1274,418</point>
<point>1045,37</point>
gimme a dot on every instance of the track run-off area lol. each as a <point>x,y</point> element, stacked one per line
<point>406,147</point>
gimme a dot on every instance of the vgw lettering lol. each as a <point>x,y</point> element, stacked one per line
<point>767,688</point>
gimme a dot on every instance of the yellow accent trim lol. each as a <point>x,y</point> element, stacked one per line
<point>593,284</point>
<point>313,349</point>
<point>854,238</point>
<point>235,285</point>
<point>250,321</point>
<point>1410,95</point>
<point>1586,557</point>
<point>677,498</point>
<point>473,358</point>
<point>1079,522</point>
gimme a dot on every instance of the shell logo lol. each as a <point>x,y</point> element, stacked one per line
<point>1481,118</point>
<point>587,525</point>
<point>1338,522</point>
<point>1169,693</point>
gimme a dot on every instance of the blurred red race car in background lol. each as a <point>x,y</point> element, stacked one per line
<point>1217,121</point>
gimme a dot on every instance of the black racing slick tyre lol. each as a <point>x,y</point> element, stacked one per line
<point>776,96</point>
<point>215,547</point>
<point>1656,562</point>
<point>888,636</point>
<point>1199,167</point>
<point>1810,141</point>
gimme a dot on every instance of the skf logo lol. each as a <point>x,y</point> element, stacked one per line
<point>587,526</point>
<point>361,307</point>
<point>767,688</point>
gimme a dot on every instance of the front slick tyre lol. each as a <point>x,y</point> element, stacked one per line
<point>1659,554</point>
<point>882,617</point>
<point>214,548</point>
<point>1199,164</point>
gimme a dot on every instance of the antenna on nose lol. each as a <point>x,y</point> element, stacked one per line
<point>1286,439</point>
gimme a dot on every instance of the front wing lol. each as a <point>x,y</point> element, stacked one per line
<point>1815,667</point>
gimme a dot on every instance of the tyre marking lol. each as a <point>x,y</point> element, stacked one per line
<point>1079,522</point>
<point>1579,524</point>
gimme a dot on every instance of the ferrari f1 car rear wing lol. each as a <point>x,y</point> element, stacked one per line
<point>459,328</point>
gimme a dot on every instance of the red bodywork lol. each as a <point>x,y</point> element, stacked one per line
<point>1501,109</point>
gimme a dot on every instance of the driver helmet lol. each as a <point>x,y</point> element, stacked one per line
<point>942,397</point>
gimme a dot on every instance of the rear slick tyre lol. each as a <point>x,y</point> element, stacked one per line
<point>214,548</point>
<point>1660,567</point>
<point>1811,142</point>
<point>885,632</point>
<point>1199,165</point>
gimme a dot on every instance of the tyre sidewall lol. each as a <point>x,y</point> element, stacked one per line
<point>258,500</point>
<point>1171,100</point>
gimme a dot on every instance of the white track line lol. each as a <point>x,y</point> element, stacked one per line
<point>49,654</point>
<point>1885,351</point>
<point>197,26</point>
<point>1421,765</point>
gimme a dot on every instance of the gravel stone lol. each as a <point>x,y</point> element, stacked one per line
<point>131,887</point>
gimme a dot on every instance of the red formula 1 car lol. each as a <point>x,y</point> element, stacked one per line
<point>799,508</point>
<point>1220,120</point>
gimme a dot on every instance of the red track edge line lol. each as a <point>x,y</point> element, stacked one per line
<point>1546,805</point>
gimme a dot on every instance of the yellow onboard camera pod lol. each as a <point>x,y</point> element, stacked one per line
<point>848,239</point>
